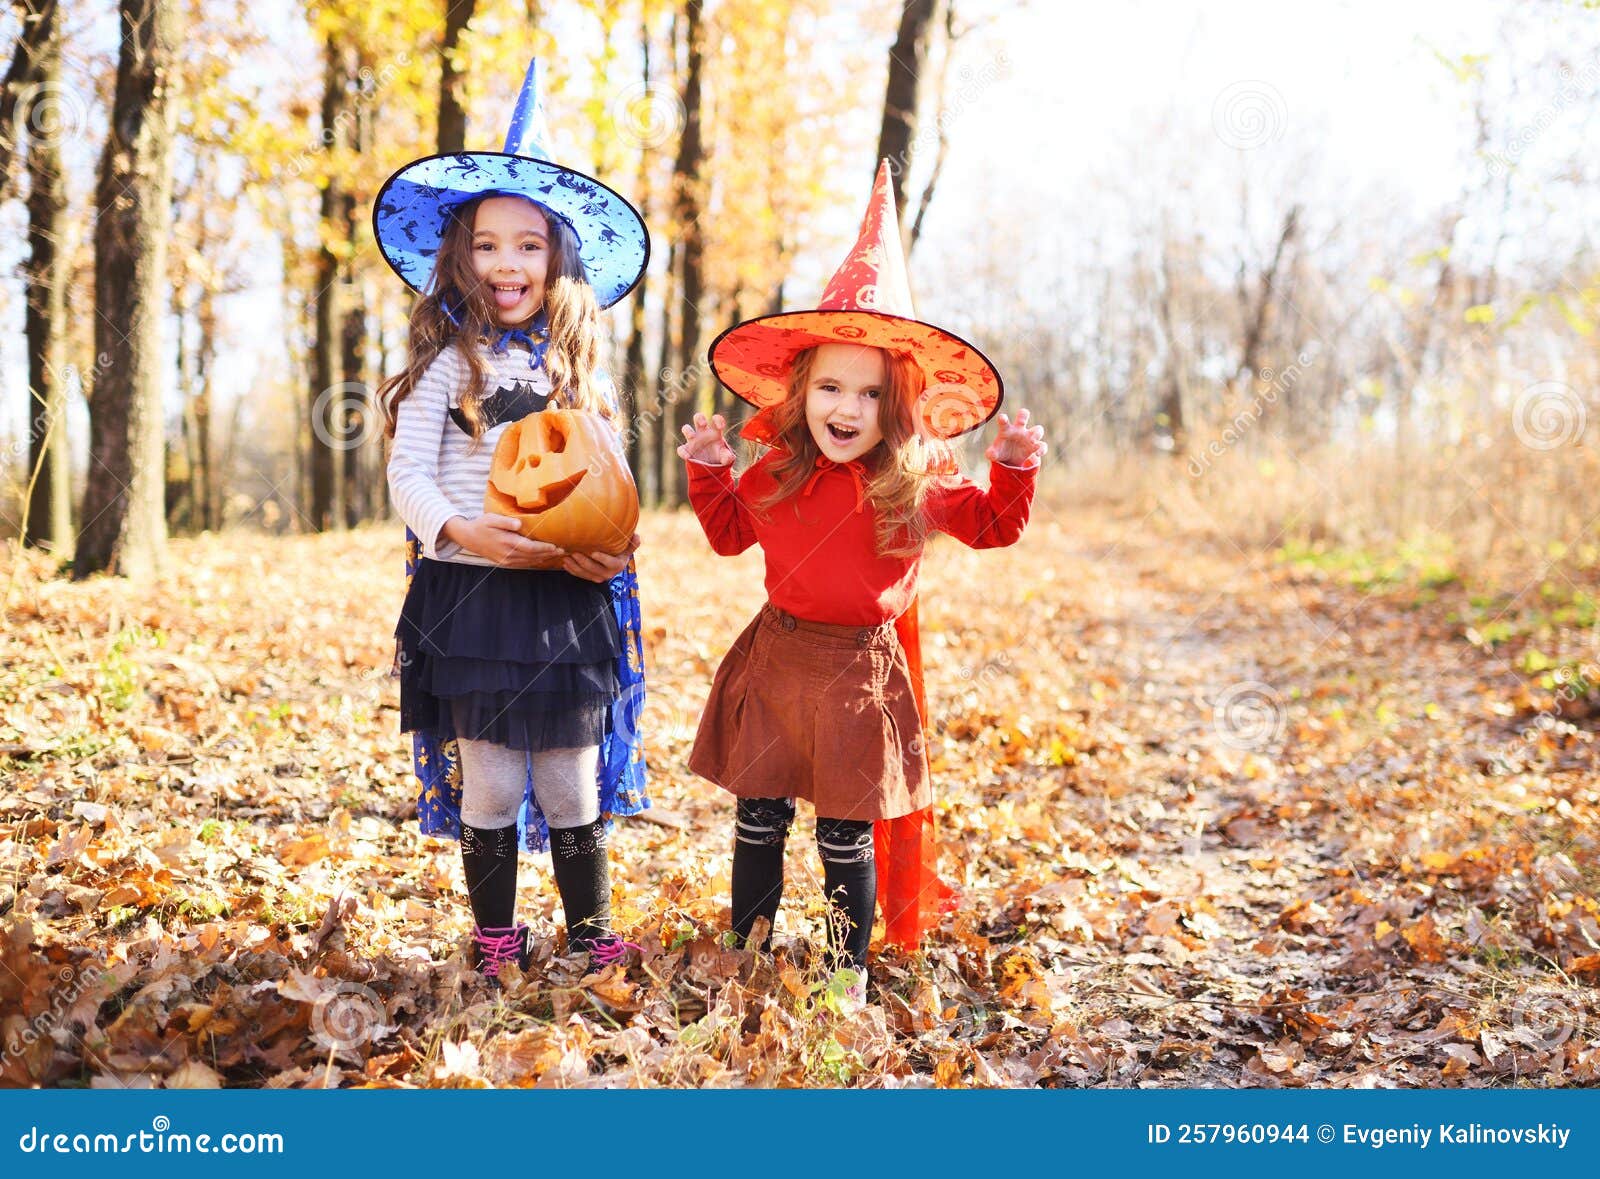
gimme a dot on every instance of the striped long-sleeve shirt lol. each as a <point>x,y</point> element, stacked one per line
<point>435,471</point>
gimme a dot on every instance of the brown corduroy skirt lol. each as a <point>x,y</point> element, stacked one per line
<point>816,711</point>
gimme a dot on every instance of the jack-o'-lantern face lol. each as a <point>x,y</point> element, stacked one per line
<point>543,474</point>
<point>563,473</point>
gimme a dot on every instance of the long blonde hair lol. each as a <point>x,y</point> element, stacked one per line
<point>458,308</point>
<point>906,466</point>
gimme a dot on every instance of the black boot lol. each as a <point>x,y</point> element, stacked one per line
<point>760,831</point>
<point>493,947</point>
<point>850,878</point>
<point>583,878</point>
<point>489,863</point>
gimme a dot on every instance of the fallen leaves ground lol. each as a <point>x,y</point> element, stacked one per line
<point>1215,821</point>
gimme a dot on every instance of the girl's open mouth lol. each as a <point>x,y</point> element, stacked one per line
<point>507,295</point>
<point>842,434</point>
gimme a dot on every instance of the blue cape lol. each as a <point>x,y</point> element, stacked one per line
<point>621,776</point>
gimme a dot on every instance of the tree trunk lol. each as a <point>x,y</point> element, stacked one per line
<point>686,218</point>
<point>356,420</point>
<point>181,499</point>
<point>631,393</point>
<point>452,115</point>
<point>389,328</point>
<point>353,423</point>
<point>24,103</point>
<point>195,368</point>
<point>662,455</point>
<point>1175,384</point>
<point>898,133</point>
<point>326,401</point>
<point>296,323</point>
<point>942,150</point>
<point>1255,332</point>
<point>124,529</point>
<point>49,523</point>
<point>208,484</point>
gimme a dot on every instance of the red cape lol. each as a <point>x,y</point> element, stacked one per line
<point>910,892</point>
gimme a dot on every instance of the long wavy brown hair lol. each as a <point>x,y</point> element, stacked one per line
<point>572,314</point>
<point>903,466</point>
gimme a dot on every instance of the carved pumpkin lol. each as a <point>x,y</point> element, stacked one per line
<point>563,473</point>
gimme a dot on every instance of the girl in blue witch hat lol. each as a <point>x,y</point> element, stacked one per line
<point>521,686</point>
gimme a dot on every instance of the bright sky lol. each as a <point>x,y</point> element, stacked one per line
<point>1105,105</point>
<point>1073,125</point>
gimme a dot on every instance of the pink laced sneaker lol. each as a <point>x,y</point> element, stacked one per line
<point>494,945</point>
<point>609,950</point>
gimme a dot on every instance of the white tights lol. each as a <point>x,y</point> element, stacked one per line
<point>493,778</point>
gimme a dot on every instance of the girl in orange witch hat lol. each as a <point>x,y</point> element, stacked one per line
<point>820,697</point>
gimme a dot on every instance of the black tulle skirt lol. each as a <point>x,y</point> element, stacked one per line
<point>521,657</point>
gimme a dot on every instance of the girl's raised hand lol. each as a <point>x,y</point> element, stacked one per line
<point>704,443</point>
<point>1018,444</point>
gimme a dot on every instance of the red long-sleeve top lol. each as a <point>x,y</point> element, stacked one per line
<point>821,543</point>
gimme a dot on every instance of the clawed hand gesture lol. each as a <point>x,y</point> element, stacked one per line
<point>1017,445</point>
<point>704,442</point>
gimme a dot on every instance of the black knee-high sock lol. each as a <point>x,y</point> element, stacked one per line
<point>760,831</point>
<point>850,878</point>
<point>489,862</point>
<point>578,856</point>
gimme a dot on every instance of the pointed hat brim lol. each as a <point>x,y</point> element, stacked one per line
<point>415,204</point>
<point>961,388</point>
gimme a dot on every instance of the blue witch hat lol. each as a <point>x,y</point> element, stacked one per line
<point>414,205</point>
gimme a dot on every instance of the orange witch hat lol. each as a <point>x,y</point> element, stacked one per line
<point>868,302</point>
